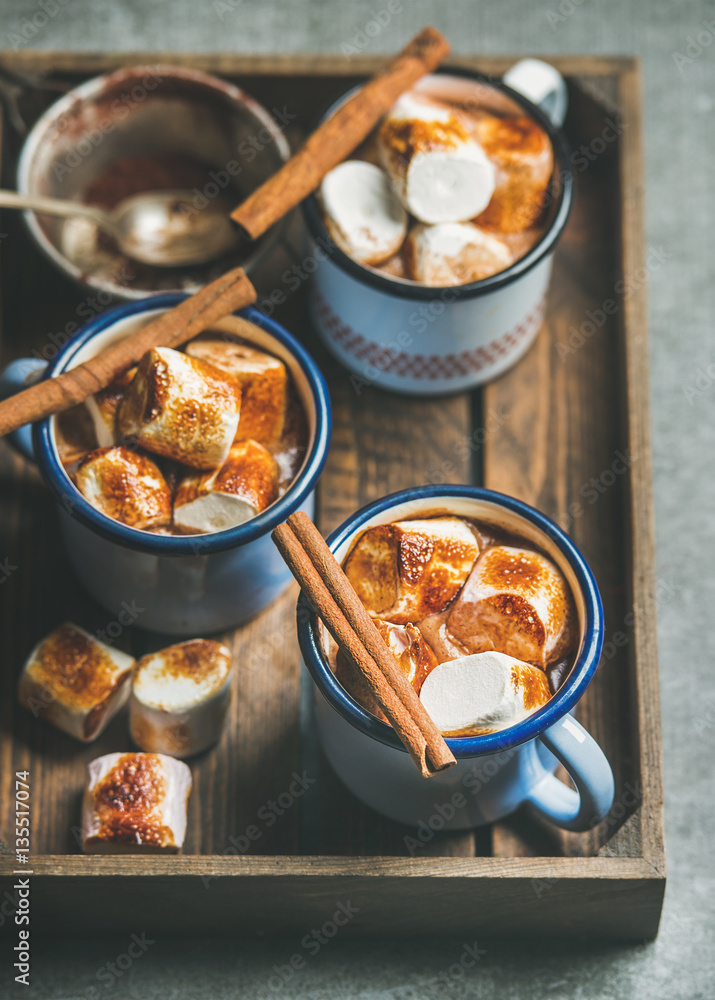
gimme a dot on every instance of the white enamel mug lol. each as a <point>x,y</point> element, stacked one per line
<point>178,584</point>
<point>495,772</point>
<point>415,339</point>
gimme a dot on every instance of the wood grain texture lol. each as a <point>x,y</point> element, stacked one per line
<point>558,423</point>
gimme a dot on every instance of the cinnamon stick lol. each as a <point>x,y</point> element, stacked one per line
<point>211,303</point>
<point>331,594</point>
<point>337,137</point>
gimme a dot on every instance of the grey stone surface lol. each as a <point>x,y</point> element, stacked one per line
<point>680,146</point>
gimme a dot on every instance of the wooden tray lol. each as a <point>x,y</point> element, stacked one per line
<point>543,432</point>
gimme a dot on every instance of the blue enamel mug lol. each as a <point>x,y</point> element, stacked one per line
<point>178,584</point>
<point>495,772</point>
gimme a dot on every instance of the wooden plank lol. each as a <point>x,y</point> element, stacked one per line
<point>603,897</point>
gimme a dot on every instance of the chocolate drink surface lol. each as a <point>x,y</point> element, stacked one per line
<point>471,612</point>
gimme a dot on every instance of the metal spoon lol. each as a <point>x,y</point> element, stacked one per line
<point>162,228</point>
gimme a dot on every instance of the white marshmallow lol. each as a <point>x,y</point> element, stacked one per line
<point>125,485</point>
<point>439,172</point>
<point>517,602</point>
<point>263,380</point>
<point>76,682</point>
<point>135,803</point>
<point>244,486</point>
<point>483,692</point>
<point>180,697</point>
<point>453,253</point>
<point>410,569</point>
<point>182,408</point>
<point>363,214</point>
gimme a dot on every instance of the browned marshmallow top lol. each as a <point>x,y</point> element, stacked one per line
<point>74,668</point>
<point>181,407</point>
<point>126,485</point>
<point>263,380</point>
<point>410,569</point>
<point>517,602</point>
<point>128,802</point>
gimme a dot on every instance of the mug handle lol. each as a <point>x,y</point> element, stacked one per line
<point>19,375</point>
<point>587,765</point>
<point>543,85</point>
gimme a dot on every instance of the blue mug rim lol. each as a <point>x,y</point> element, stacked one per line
<point>182,545</point>
<point>464,746</point>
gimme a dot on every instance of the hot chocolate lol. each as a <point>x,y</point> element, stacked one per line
<point>482,622</point>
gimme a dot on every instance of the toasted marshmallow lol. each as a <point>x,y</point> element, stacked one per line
<point>439,172</point>
<point>76,682</point>
<point>453,253</point>
<point>244,486</point>
<point>125,485</point>
<point>522,154</point>
<point>180,697</point>
<point>483,693</point>
<point>362,212</point>
<point>135,803</point>
<point>103,408</point>
<point>410,569</point>
<point>264,385</point>
<point>181,407</point>
<point>516,602</point>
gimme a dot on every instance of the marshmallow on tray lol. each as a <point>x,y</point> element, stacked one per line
<point>409,569</point>
<point>180,696</point>
<point>126,485</point>
<point>439,172</point>
<point>244,486</point>
<point>524,160</point>
<point>135,803</point>
<point>182,408</point>
<point>263,380</point>
<point>453,253</point>
<point>483,692</point>
<point>517,602</point>
<point>76,682</point>
<point>103,406</point>
<point>362,213</point>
